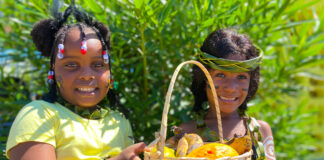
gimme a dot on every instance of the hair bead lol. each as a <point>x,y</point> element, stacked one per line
<point>50,77</point>
<point>105,56</point>
<point>84,47</point>
<point>111,82</point>
<point>60,51</point>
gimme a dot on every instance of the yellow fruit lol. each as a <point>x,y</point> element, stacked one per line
<point>241,144</point>
<point>182,148</point>
<point>168,152</point>
<point>213,151</point>
<point>188,143</point>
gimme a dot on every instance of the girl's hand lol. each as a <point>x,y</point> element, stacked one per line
<point>131,152</point>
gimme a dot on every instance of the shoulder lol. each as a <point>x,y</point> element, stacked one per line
<point>36,112</point>
<point>41,104</point>
<point>117,117</point>
<point>38,107</point>
<point>116,114</point>
<point>265,129</point>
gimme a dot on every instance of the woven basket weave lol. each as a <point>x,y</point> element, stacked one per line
<point>161,137</point>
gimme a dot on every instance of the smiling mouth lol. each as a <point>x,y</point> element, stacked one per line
<point>228,99</point>
<point>86,89</point>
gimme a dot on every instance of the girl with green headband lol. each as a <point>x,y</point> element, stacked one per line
<point>233,62</point>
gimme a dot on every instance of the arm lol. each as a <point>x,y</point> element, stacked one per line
<point>267,140</point>
<point>32,151</point>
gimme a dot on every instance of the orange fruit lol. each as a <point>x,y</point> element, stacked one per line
<point>213,151</point>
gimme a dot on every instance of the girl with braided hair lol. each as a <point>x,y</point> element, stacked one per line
<point>233,63</point>
<point>78,118</point>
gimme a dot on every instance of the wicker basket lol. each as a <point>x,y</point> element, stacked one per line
<point>161,137</point>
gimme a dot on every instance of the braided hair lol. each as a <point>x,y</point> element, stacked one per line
<point>48,33</point>
<point>221,43</point>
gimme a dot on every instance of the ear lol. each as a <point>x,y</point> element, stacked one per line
<point>43,35</point>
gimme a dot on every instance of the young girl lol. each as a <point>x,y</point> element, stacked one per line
<point>233,63</point>
<point>73,121</point>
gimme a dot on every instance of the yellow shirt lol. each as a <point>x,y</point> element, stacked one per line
<point>72,136</point>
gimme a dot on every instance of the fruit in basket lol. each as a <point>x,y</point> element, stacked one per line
<point>213,151</point>
<point>241,144</point>
<point>168,152</point>
<point>173,141</point>
<point>188,143</point>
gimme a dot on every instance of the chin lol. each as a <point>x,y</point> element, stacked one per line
<point>228,109</point>
<point>86,104</point>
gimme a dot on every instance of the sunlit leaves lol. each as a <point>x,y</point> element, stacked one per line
<point>151,37</point>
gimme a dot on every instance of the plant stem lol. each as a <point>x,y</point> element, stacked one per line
<point>144,63</point>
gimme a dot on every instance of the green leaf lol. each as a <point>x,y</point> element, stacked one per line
<point>309,62</point>
<point>281,9</point>
<point>20,22</point>
<point>301,5</point>
<point>138,3</point>
<point>94,6</point>
<point>166,11</point>
<point>197,8</point>
<point>38,4</point>
<point>291,25</point>
<point>207,23</point>
<point>311,75</point>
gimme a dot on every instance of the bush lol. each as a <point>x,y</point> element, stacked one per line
<point>151,37</point>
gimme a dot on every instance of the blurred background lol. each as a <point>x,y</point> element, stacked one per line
<point>151,37</point>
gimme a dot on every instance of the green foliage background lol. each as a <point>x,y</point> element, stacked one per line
<point>151,37</point>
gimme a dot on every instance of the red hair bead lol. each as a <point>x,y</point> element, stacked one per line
<point>60,51</point>
<point>50,77</point>
<point>84,47</point>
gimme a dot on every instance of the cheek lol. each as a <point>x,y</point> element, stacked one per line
<point>65,79</point>
<point>104,78</point>
<point>217,84</point>
<point>244,87</point>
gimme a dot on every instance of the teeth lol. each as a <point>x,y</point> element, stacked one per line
<point>225,98</point>
<point>86,89</point>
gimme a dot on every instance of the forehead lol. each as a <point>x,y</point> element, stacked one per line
<point>74,37</point>
<point>74,34</point>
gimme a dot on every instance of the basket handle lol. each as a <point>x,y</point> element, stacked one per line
<point>164,122</point>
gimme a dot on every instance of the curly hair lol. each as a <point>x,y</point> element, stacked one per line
<point>221,43</point>
<point>48,33</point>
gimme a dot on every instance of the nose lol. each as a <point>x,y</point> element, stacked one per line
<point>86,74</point>
<point>230,86</point>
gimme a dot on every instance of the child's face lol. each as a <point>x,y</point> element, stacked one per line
<point>82,79</point>
<point>231,88</point>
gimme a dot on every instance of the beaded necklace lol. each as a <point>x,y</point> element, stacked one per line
<point>97,112</point>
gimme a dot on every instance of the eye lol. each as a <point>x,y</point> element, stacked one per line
<point>242,76</point>
<point>71,65</point>
<point>99,65</point>
<point>220,75</point>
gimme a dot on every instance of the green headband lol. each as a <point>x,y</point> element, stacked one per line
<point>230,65</point>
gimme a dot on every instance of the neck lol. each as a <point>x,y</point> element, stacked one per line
<point>212,114</point>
